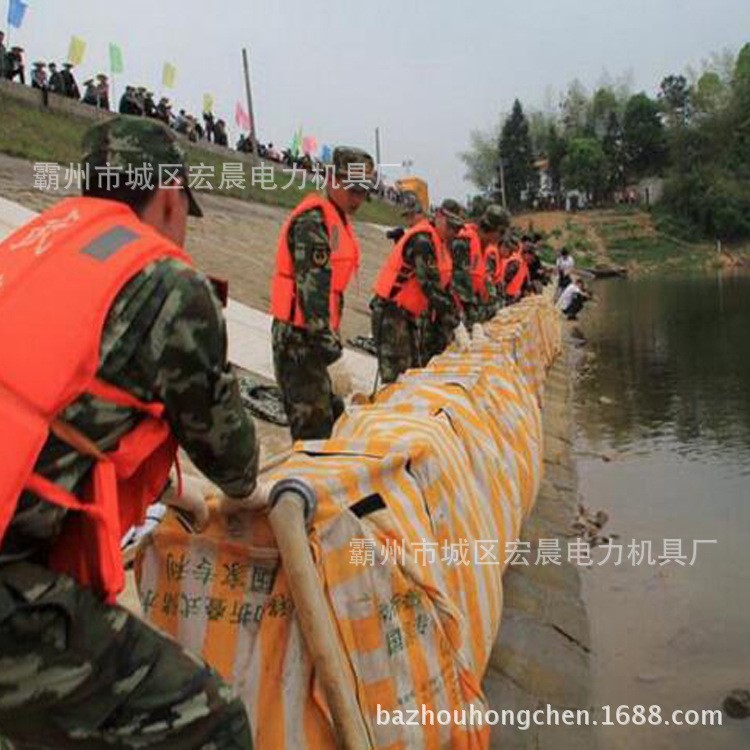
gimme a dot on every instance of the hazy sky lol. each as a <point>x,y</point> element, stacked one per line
<point>426,72</point>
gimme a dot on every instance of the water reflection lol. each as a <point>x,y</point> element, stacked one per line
<point>674,357</point>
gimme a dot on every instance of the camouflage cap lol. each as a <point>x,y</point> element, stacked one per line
<point>452,211</point>
<point>126,141</point>
<point>495,218</point>
<point>355,167</point>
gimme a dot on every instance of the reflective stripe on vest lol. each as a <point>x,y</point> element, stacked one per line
<point>60,275</point>
<point>397,281</point>
<point>344,260</point>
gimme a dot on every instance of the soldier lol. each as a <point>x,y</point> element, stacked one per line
<point>130,361</point>
<point>70,86</point>
<point>515,272</point>
<point>56,83</point>
<point>491,228</point>
<point>414,282</point>
<point>317,256</point>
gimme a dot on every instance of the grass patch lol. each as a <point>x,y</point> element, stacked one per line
<point>36,134</point>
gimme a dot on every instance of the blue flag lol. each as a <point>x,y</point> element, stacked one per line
<point>326,154</point>
<point>16,12</point>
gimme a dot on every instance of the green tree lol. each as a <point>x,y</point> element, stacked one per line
<point>481,160</point>
<point>675,97</point>
<point>644,138</point>
<point>613,145</point>
<point>556,149</point>
<point>518,157</point>
<point>585,167</point>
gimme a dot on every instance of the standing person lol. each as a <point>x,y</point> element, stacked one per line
<point>70,87</point>
<point>91,93</point>
<point>39,81</point>
<point>56,83</point>
<point>414,280</point>
<point>537,276</point>
<point>317,256</point>
<point>129,361</point>
<point>102,91</point>
<point>470,251</point>
<point>15,67</point>
<point>565,264</point>
<point>491,227</point>
<point>515,274</point>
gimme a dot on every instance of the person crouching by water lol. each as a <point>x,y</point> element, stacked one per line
<point>572,299</point>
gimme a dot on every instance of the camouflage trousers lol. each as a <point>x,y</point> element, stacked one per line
<point>77,673</point>
<point>309,402</point>
<point>396,337</point>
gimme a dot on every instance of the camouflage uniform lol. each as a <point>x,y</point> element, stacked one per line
<point>494,219</point>
<point>77,672</point>
<point>462,284</point>
<point>301,356</point>
<point>403,341</point>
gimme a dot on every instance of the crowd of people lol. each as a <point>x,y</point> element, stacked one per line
<point>51,78</point>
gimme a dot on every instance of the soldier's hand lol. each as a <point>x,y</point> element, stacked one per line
<point>477,333</point>
<point>255,501</point>
<point>191,504</point>
<point>462,338</point>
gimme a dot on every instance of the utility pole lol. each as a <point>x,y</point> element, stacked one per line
<point>377,149</point>
<point>253,134</point>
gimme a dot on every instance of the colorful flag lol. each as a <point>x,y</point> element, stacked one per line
<point>326,154</point>
<point>241,117</point>
<point>169,75</point>
<point>309,145</point>
<point>76,51</point>
<point>208,103</point>
<point>16,12</point>
<point>295,147</point>
<point>115,58</point>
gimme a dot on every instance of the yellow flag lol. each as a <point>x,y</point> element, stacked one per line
<point>169,75</point>
<point>208,103</point>
<point>76,51</point>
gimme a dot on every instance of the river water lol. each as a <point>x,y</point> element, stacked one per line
<point>663,444</point>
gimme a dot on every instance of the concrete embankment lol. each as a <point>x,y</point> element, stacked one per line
<point>542,653</point>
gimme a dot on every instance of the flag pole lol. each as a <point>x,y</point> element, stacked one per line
<point>253,134</point>
<point>7,20</point>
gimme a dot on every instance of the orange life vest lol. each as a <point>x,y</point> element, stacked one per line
<point>397,281</point>
<point>344,259</point>
<point>59,276</point>
<point>514,287</point>
<point>477,268</point>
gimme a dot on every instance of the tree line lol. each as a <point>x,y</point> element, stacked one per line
<point>694,133</point>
